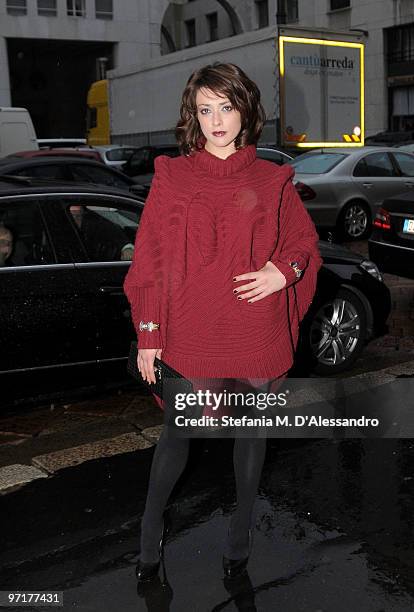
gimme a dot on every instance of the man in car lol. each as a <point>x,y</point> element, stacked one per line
<point>104,240</point>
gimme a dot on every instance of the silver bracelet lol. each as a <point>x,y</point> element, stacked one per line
<point>295,266</point>
<point>150,326</point>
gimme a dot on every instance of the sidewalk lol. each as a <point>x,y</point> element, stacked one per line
<point>41,441</point>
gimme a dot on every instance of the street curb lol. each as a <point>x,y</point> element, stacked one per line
<point>43,466</point>
<point>18,474</point>
<point>69,457</point>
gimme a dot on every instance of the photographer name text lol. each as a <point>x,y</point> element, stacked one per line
<point>277,421</point>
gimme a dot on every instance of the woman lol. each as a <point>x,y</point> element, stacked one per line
<point>224,269</point>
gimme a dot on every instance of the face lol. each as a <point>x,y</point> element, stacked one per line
<point>77,213</point>
<point>219,121</point>
<point>6,245</point>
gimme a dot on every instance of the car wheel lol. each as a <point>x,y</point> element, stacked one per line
<point>336,333</point>
<point>354,222</point>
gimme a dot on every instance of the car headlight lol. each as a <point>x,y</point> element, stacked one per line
<point>372,269</point>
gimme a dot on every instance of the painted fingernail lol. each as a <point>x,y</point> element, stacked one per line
<point>234,278</point>
<point>235,290</point>
<point>239,297</point>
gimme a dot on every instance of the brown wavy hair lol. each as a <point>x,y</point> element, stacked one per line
<point>226,80</point>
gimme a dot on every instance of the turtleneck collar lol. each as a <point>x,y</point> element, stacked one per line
<point>235,162</point>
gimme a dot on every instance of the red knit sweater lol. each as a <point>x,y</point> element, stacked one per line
<point>205,221</point>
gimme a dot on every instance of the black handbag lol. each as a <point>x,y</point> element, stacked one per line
<point>168,383</point>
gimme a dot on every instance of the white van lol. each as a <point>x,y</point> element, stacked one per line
<point>16,131</point>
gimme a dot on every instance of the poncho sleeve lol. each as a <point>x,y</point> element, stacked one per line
<point>297,242</point>
<point>143,283</point>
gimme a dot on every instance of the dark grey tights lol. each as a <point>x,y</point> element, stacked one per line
<point>168,463</point>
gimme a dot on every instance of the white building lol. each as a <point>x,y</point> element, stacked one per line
<point>49,49</point>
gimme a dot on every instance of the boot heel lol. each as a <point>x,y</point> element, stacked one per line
<point>235,567</point>
<point>147,571</point>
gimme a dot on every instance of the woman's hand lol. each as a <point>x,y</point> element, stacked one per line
<point>265,281</point>
<point>145,363</point>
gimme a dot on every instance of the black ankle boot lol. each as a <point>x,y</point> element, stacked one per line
<point>234,567</point>
<point>147,571</point>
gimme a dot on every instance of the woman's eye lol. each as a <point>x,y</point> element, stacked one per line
<point>228,108</point>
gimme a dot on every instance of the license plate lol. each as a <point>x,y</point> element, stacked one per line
<point>408,226</point>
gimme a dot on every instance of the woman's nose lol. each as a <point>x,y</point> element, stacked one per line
<point>216,119</point>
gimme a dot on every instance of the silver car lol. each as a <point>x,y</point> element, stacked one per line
<point>343,188</point>
<point>273,154</point>
<point>115,155</point>
<point>409,147</point>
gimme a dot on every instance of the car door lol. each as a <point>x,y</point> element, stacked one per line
<point>405,167</point>
<point>376,178</point>
<point>47,339</point>
<point>105,227</point>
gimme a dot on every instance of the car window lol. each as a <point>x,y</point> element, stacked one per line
<point>52,171</point>
<point>170,151</point>
<point>106,232</point>
<point>317,163</point>
<point>100,176</point>
<point>374,164</point>
<point>273,156</point>
<point>121,154</point>
<point>139,162</point>
<point>23,236</point>
<point>406,163</point>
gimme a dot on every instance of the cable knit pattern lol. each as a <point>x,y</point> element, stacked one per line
<point>205,221</point>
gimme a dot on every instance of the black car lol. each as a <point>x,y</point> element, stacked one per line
<point>140,165</point>
<point>65,169</point>
<point>66,322</point>
<point>389,139</point>
<point>351,306</point>
<point>391,244</point>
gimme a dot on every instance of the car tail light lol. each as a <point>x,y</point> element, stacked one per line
<point>305,192</point>
<point>382,219</point>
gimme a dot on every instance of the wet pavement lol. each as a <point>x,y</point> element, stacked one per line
<point>333,531</point>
